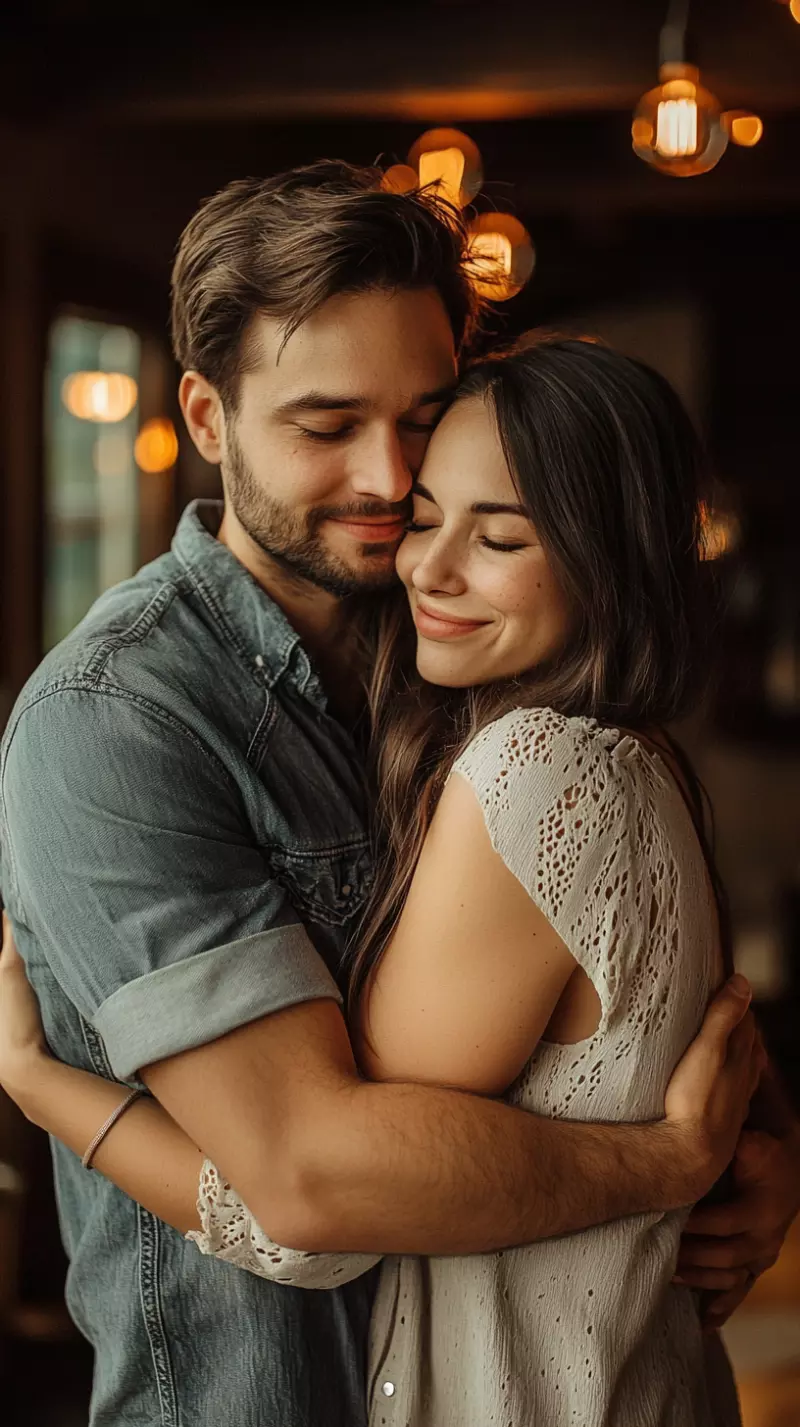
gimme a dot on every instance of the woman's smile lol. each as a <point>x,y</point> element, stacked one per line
<point>436,624</point>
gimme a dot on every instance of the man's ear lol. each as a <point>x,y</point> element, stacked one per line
<point>202,411</point>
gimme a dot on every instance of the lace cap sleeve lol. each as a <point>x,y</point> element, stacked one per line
<point>230,1232</point>
<point>556,808</point>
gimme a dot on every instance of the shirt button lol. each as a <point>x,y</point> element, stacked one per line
<point>388,1389</point>
<point>346,890</point>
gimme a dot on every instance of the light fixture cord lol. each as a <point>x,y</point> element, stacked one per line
<point>672,41</point>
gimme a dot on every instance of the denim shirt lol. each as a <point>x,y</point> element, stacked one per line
<point>182,850</point>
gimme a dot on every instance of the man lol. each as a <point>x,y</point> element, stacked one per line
<point>184,844</point>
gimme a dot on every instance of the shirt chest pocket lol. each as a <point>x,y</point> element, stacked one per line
<point>326,887</point>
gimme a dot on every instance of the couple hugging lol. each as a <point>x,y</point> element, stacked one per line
<point>345,849</point>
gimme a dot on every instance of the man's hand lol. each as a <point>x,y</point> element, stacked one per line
<point>22,1040</point>
<point>727,1246</point>
<point>709,1094</point>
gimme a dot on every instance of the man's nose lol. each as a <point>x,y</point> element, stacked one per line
<point>383,472</point>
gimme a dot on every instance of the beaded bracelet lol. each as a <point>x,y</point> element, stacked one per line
<point>109,1125</point>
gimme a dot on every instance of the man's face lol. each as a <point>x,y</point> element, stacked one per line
<point>329,432</point>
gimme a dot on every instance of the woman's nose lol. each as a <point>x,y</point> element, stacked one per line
<point>440,569</point>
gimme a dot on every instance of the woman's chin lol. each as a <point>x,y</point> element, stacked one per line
<point>446,672</point>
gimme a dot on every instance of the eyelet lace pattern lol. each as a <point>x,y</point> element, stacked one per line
<point>586,1330</point>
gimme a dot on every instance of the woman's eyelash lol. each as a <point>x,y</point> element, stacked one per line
<point>415,527</point>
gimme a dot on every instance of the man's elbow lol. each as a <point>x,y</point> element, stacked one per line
<point>304,1206</point>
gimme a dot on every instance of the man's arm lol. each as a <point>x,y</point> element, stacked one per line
<point>154,1161</point>
<point>137,878</point>
<point>326,1161</point>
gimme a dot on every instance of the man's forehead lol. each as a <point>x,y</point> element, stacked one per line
<point>327,371</point>
<point>362,329</point>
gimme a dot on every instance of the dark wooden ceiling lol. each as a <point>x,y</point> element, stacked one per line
<point>457,60</point>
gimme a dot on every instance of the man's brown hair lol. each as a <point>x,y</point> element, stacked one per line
<point>283,246</point>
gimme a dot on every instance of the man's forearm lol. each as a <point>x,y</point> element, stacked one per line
<point>412,1169</point>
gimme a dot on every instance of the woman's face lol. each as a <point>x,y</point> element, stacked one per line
<point>483,597</point>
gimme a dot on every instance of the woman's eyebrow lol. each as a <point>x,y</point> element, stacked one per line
<point>481,507</point>
<point>490,507</point>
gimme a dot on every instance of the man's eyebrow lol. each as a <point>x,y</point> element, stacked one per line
<point>321,401</point>
<point>332,401</point>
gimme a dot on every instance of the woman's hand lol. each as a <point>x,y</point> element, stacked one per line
<point>22,1039</point>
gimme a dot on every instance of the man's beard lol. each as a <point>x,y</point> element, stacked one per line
<point>294,541</point>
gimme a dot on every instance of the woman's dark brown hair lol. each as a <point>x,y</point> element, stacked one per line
<point>609,467</point>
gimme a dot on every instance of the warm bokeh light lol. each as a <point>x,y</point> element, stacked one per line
<point>156,448</point>
<point>400,178</point>
<point>794,10</point>
<point>491,258</point>
<point>100,396</point>
<point>501,256</point>
<point>445,169</point>
<point>678,127</point>
<point>432,154</point>
<point>719,532</point>
<point>744,128</point>
<point>641,131</point>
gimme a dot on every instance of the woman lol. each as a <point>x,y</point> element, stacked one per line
<point>545,922</point>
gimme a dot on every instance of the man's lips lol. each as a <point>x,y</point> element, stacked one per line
<point>373,529</point>
<point>433,625</point>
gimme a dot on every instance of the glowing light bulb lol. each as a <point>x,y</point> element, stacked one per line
<point>452,161</point>
<point>156,448</point>
<point>676,128</point>
<point>678,125</point>
<point>100,396</point>
<point>443,169</point>
<point>491,257</point>
<point>501,256</point>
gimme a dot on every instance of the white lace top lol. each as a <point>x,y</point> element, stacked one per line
<point>584,1330</point>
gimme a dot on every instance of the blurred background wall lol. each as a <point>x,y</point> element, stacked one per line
<point>116,121</point>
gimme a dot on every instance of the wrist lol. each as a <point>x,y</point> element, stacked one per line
<point>31,1082</point>
<point>686,1166</point>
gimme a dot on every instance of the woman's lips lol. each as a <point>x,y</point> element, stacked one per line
<point>437,626</point>
<point>376,531</point>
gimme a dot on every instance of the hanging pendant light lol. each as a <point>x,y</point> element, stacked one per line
<point>680,127</point>
<point>677,127</point>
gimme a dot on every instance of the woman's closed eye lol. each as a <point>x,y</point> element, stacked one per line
<point>419,527</point>
<point>507,546</point>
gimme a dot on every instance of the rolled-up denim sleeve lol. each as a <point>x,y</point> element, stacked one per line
<point>135,871</point>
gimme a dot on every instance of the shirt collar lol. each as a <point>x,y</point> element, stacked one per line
<point>244,613</point>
